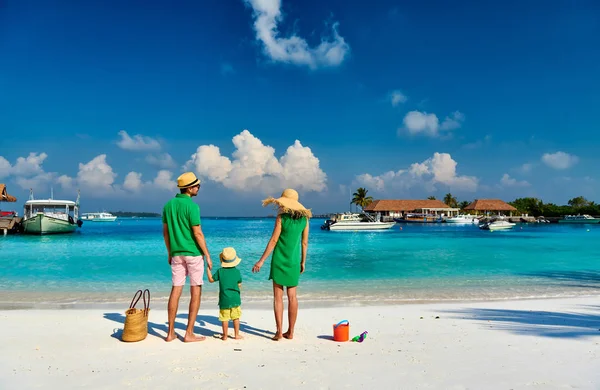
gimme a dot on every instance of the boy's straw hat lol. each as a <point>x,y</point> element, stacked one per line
<point>187,180</point>
<point>288,204</point>
<point>229,258</point>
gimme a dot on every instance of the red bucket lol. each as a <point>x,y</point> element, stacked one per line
<point>341,331</point>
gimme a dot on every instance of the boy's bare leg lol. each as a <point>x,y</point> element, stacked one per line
<point>225,330</point>
<point>172,311</point>
<point>195,293</point>
<point>236,328</point>
<point>278,309</point>
<point>292,312</point>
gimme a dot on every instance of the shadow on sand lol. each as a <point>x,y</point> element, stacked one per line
<point>539,323</point>
<point>202,320</point>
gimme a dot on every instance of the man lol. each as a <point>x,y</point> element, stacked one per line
<point>187,251</point>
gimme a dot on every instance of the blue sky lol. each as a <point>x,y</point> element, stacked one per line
<point>410,100</point>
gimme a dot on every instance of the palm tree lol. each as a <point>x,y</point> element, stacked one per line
<point>360,198</point>
<point>450,200</point>
<point>463,204</point>
<point>431,197</point>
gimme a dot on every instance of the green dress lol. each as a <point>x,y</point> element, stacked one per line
<point>285,264</point>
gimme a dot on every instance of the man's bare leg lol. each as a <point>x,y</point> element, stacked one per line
<point>278,309</point>
<point>225,330</point>
<point>292,312</point>
<point>236,328</point>
<point>195,295</point>
<point>172,311</point>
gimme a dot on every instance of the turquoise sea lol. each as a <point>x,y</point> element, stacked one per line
<point>107,262</point>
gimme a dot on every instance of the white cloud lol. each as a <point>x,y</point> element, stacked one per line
<point>453,122</point>
<point>28,171</point>
<point>417,122</point>
<point>133,181</point>
<point>164,161</point>
<point>397,98</point>
<point>137,142</point>
<point>507,181</point>
<point>5,167</point>
<point>439,169</point>
<point>255,167</point>
<point>96,176</point>
<point>163,181</point>
<point>332,51</point>
<point>560,160</point>
<point>30,165</point>
<point>40,181</point>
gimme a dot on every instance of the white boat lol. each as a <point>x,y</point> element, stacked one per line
<point>585,218</point>
<point>353,221</point>
<point>498,224</point>
<point>50,216</point>
<point>98,217</point>
<point>462,219</point>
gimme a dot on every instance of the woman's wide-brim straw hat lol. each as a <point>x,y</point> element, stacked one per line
<point>229,258</point>
<point>187,180</point>
<point>288,204</point>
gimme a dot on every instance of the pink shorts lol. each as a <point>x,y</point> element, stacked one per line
<point>182,266</point>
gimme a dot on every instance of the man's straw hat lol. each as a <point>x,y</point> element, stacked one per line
<point>288,204</point>
<point>229,258</point>
<point>187,180</point>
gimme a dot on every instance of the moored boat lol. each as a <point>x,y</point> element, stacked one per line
<point>353,222</point>
<point>581,219</point>
<point>50,216</point>
<point>498,224</point>
<point>462,219</point>
<point>98,217</point>
<point>419,218</point>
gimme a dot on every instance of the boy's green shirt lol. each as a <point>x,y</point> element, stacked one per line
<point>229,290</point>
<point>180,214</point>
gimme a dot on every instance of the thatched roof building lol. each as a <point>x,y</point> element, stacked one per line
<point>4,197</point>
<point>487,205</point>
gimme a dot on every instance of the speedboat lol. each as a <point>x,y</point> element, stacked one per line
<point>98,217</point>
<point>353,221</point>
<point>585,218</point>
<point>50,216</point>
<point>463,219</point>
<point>498,224</point>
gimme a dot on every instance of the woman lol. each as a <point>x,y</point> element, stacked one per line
<point>289,260</point>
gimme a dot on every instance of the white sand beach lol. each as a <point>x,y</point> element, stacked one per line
<point>544,344</point>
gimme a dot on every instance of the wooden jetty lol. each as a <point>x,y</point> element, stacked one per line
<point>10,225</point>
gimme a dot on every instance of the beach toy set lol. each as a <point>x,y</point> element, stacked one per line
<point>341,333</point>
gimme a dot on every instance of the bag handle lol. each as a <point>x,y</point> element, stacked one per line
<point>134,301</point>
<point>341,323</point>
<point>146,303</point>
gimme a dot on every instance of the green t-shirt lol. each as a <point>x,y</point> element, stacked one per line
<point>229,291</point>
<point>180,214</point>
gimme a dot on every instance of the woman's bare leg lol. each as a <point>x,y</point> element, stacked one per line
<point>278,309</point>
<point>292,312</point>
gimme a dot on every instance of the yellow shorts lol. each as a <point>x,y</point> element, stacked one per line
<point>230,314</point>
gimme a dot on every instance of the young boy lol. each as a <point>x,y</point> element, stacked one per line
<point>230,283</point>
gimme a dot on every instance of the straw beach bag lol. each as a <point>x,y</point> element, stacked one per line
<point>136,320</point>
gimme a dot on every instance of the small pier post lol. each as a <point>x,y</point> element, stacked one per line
<point>4,232</point>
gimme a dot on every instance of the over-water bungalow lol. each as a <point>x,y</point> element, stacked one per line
<point>401,208</point>
<point>490,206</point>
